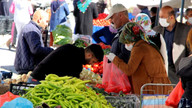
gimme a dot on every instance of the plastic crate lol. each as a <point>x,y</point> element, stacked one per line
<point>128,101</point>
<point>20,89</point>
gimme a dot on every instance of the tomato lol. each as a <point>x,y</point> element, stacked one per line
<point>100,71</point>
<point>96,66</point>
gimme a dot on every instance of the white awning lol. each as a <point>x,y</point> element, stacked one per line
<point>152,3</point>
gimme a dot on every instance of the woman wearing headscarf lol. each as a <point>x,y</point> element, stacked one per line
<point>85,11</point>
<point>144,21</point>
<point>145,64</point>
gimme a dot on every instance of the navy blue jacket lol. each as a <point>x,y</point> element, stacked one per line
<point>108,35</point>
<point>119,49</point>
<point>30,50</point>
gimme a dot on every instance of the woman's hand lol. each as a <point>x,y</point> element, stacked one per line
<point>111,56</point>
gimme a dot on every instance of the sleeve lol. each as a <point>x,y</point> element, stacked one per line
<point>95,11</point>
<point>124,54</point>
<point>183,81</point>
<point>33,40</point>
<point>98,34</point>
<point>45,66</point>
<point>12,8</point>
<point>66,9</point>
<point>75,11</point>
<point>133,64</point>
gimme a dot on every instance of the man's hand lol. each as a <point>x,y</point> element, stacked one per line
<point>111,56</point>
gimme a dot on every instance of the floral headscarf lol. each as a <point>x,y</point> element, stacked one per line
<point>132,32</point>
<point>144,20</point>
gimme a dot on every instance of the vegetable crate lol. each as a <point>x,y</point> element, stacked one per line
<point>157,97</point>
<point>128,101</point>
<point>20,89</point>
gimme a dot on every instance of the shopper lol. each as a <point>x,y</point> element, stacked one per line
<point>68,60</point>
<point>119,17</point>
<point>144,9</point>
<point>144,20</point>
<point>59,13</point>
<point>175,35</point>
<point>185,72</point>
<point>30,49</point>
<point>108,32</point>
<point>145,64</point>
<point>153,13</point>
<point>85,11</point>
<point>22,9</point>
<point>188,16</point>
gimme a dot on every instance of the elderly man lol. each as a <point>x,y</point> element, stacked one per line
<point>188,16</point>
<point>30,50</point>
<point>119,17</point>
<point>174,34</point>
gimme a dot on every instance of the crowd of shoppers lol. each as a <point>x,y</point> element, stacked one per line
<point>145,52</point>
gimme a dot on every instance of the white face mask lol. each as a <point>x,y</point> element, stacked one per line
<point>189,20</point>
<point>129,48</point>
<point>163,22</point>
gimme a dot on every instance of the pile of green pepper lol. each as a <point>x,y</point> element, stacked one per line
<point>66,91</point>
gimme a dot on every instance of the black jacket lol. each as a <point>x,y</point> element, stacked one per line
<point>185,73</point>
<point>66,60</point>
<point>119,49</point>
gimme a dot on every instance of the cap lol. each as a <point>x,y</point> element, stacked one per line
<point>115,9</point>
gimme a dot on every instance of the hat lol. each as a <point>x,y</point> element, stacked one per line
<point>115,9</point>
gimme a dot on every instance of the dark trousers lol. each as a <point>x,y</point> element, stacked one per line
<point>172,74</point>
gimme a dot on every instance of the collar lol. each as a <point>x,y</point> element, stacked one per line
<point>83,6</point>
<point>119,30</point>
<point>172,29</point>
<point>34,23</point>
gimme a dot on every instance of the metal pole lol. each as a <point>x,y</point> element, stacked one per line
<point>157,16</point>
<point>182,7</point>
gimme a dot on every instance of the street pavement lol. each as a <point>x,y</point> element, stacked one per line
<point>7,56</point>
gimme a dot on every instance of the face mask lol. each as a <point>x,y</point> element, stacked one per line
<point>112,29</point>
<point>163,22</point>
<point>129,48</point>
<point>190,20</point>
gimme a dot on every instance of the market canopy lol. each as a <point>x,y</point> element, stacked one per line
<point>153,3</point>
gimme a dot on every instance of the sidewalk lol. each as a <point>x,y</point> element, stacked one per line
<point>7,56</point>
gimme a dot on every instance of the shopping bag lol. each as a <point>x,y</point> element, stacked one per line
<point>7,97</point>
<point>114,80</point>
<point>175,96</point>
<point>18,103</point>
<point>12,31</point>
